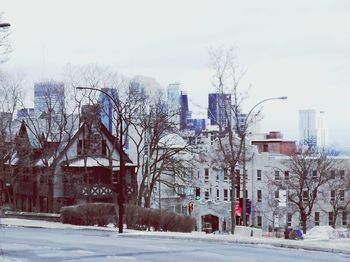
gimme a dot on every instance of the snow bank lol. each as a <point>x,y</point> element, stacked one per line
<point>327,232</point>
<point>248,231</point>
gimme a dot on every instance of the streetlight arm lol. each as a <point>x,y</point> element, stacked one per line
<point>263,101</point>
<point>5,25</point>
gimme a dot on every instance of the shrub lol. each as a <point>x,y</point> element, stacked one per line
<point>135,217</point>
<point>90,214</point>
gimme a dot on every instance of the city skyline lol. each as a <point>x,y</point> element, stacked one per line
<point>298,49</point>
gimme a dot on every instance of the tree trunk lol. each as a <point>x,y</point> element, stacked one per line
<point>303,221</point>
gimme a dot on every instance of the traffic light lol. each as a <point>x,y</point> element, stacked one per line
<point>198,193</point>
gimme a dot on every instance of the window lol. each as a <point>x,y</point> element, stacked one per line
<point>342,174</point>
<point>286,175</point>
<point>206,174</point>
<point>341,195</point>
<point>80,147</point>
<point>217,194</point>
<point>332,174</point>
<point>314,174</point>
<point>305,195</point>
<point>258,175</point>
<point>289,219</point>
<point>225,195</point>
<point>277,175</point>
<point>259,196</point>
<point>344,218</point>
<point>206,195</point>
<point>104,147</point>
<point>225,175</point>
<point>314,194</point>
<point>277,195</point>
<point>259,221</point>
<point>317,218</point>
<point>266,148</point>
<point>330,218</point>
<point>332,195</point>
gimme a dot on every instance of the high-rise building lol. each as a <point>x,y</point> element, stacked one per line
<point>48,99</point>
<point>107,113</point>
<point>185,114</point>
<point>219,109</point>
<point>312,128</point>
<point>174,105</point>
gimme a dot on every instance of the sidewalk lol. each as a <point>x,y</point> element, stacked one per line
<point>341,245</point>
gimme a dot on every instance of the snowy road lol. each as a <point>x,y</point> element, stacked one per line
<point>40,244</point>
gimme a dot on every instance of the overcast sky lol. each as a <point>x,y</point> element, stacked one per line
<point>299,48</point>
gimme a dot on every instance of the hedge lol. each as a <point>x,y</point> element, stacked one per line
<point>135,217</point>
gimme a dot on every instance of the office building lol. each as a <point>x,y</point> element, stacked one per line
<point>312,128</point>
<point>219,111</point>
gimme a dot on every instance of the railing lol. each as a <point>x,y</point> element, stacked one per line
<point>88,191</point>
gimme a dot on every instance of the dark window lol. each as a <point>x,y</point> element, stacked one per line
<point>259,221</point>
<point>332,195</point>
<point>277,195</point>
<point>286,175</point>
<point>277,175</point>
<point>104,147</point>
<point>259,196</point>
<point>206,195</point>
<point>266,148</point>
<point>206,174</point>
<point>314,174</point>
<point>225,195</point>
<point>217,194</point>
<point>332,174</point>
<point>342,195</point>
<point>342,174</point>
<point>80,147</point>
<point>317,218</point>
<point>305,196</point>
<point>289,219</point>
<point>314,193</point>
<point>258,175</point>
<point>330,218</point>
<point>344,218</point>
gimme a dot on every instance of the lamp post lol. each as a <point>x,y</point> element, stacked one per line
<point>243,136</point>
<point>120,185</point>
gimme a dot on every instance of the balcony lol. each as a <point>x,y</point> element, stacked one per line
<point>86,191</point>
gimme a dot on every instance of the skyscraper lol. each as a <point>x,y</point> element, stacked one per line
<point>312,128</point>
<point>174,105</point>
<point>185,114</point>
<point>48,99</point>
<point>107,108</point>
<point>219,110</point>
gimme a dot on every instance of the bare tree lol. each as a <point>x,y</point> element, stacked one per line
<point>232,132</point>
<point>337,190</point>
<point>5,46</point>
<point>11,93</point>
<point>308,172</point>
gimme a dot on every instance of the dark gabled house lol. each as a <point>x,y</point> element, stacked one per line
<point>82,167</point>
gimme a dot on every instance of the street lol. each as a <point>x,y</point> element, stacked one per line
<point>39,244</point>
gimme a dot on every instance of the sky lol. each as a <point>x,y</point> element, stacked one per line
<point>299,49</point>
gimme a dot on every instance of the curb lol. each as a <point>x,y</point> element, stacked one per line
<point>246,242</point>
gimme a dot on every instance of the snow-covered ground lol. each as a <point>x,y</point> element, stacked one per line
<point>319,238</point>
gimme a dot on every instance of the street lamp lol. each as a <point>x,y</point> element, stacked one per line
<point>120,185</point>
<point>4,25</point>
<point>244,181</point>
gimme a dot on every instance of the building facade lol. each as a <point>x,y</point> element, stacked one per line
<point>312,128</point>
